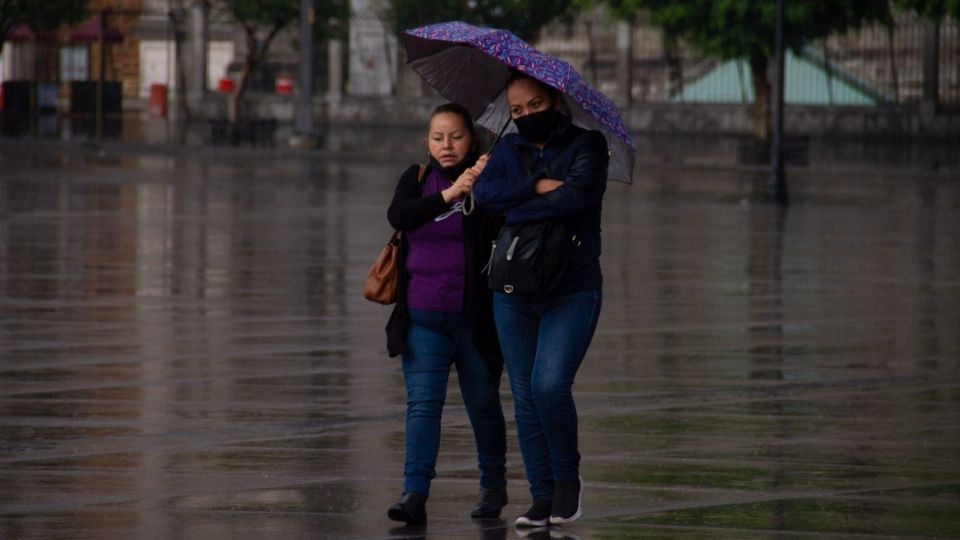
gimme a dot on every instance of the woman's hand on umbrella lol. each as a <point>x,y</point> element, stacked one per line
<point>460,187</point>
<point>480,164</point>
<point>546,185</point>
<point>464,183</point>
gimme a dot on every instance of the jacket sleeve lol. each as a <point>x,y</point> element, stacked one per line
<point>409,210</point>
<point>496,190</point>
<point>581,190</point>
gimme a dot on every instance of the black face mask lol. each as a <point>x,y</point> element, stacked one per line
<point>537,127</point>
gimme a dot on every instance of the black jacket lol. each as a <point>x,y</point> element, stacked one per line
<point>574,155</point>
<point>410,210</point>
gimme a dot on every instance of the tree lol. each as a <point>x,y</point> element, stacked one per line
<point>39,15</point>
<point>743,29</point>
<point>935,10</point>
<point>332,18</point>
<point>587,7</point>
<point>523,18</point>
<point>262,21</point>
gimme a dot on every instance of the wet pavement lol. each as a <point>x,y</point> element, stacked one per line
<point>184,351</point>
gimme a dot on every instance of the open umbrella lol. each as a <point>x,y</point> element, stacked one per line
<point>472,65</point>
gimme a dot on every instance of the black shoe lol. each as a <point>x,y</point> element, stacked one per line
<point>537,516</point>
<point>411,508</point>
<point>566,501</point>
<point>490,503</point>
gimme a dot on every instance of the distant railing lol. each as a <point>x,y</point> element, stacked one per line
<point>885,65</point>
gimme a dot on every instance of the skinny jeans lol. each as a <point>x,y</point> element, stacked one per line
<point>544,340</point>
<point>435,341</point>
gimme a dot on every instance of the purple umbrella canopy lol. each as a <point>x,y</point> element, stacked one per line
<point>472,65</point>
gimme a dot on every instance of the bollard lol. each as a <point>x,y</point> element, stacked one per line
<point>158,100</point>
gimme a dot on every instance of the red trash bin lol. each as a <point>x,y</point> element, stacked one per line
<point>158,100</point>
<point>283,84</point>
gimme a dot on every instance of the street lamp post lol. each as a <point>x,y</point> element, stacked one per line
<point>303,123</point>
<point>101,74</point>
<point>776,183</point>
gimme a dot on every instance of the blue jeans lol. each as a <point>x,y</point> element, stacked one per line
<point>544,340</point>
<point>436,340</point>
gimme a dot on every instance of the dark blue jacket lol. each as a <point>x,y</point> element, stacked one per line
<point>576,156</point>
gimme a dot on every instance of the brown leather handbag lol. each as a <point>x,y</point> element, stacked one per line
<point>384,275</point>
<point>381,283</point>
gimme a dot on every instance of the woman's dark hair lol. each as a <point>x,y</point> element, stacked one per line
<point>462,112</point>
<point>552,92</point>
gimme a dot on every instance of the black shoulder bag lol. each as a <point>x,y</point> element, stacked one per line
<point>530,258</point>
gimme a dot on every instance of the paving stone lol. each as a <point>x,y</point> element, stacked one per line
<point>185,353</point>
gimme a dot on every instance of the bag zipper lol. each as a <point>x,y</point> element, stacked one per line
<point>489,266</point>
<point>512,248</point>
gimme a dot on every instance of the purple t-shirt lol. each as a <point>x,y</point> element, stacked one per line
<point>435,257</point>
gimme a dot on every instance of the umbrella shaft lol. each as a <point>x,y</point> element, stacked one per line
<point>495,141</point>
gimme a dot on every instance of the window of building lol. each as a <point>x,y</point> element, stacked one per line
<point>74,63</point>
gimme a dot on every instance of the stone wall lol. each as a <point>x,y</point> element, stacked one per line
<point>862,122</point>
<point>858,122</point>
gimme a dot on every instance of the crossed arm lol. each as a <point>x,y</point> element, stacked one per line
<point>533,199</point>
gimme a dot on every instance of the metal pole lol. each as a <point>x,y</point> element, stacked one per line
<point>335,70</point>
<point>776,183</point>
<point>199,36</point>
<point>931,65</point>
<point>304,112</point>
<point>625,60</point>
<point>101,71</point>
<point>35,87</point>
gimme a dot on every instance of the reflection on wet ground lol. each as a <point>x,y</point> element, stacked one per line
<point>184,353</point>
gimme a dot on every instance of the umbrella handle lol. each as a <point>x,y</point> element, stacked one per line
<point>495,141</point>
<point>468,200</point>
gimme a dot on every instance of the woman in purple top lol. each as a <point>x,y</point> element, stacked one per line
<point>444,314</point>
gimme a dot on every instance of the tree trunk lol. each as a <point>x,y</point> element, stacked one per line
<point>625,61</point>
<point>674,69</point>
<point>591,52</point>
<point>256,53</point>
<point>180,81</point>
<point>931,63</point>
<point>235,105</point>
<point>892,51</point>
<point>761,97</point>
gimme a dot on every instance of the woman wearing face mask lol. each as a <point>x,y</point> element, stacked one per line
<point>549,170</point>
<point>444,316</point>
